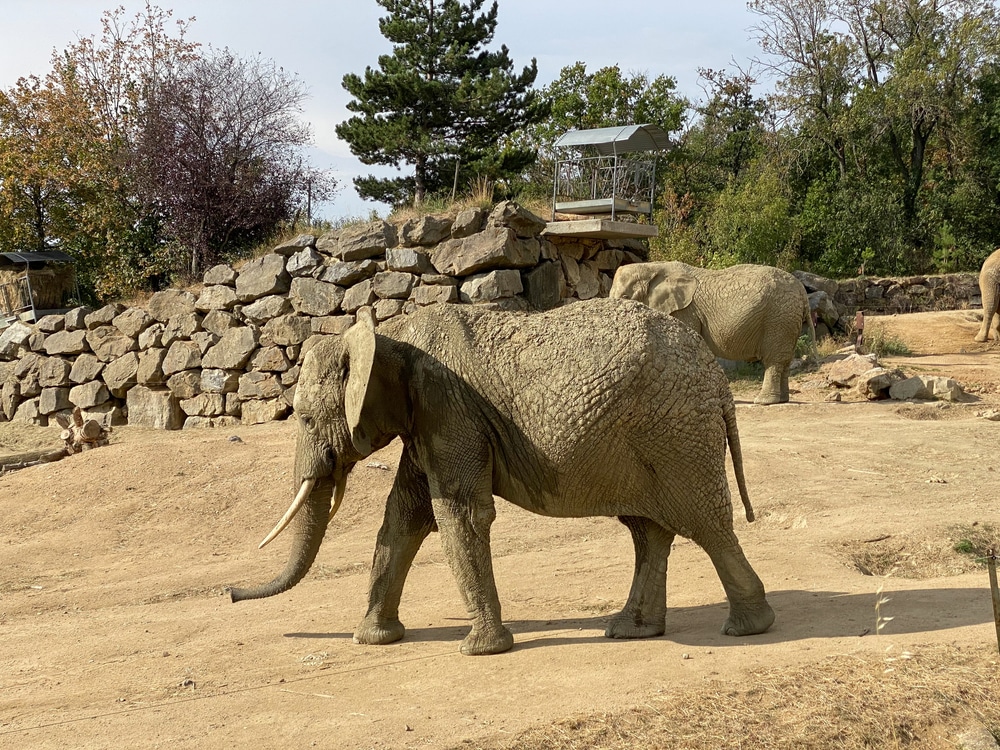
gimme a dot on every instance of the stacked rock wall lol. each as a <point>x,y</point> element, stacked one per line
<point>836,302</point>
<point>231,353</point>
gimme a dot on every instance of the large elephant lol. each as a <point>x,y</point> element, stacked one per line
<point>989,288</point>
<point>747,313</point>
<point>600,408</point>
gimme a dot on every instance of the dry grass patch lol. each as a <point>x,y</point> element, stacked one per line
<point>958,550</point>
<point>921,700</point>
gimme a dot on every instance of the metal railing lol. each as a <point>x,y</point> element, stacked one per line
<point>606,178</point>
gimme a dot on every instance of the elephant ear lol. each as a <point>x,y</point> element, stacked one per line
<point>672,289</point>
<point>360,344</point>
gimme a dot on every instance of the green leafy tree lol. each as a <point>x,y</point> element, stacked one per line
<point>877,94</point>
<point>143,157</point>
<point>723,154</point>
<point>442,97</point>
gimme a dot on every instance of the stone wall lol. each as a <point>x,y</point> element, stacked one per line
<point>836,302</point>
<point>230,352</point>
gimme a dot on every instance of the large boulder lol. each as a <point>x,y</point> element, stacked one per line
<point>487,287</point>
<point>814,283</point>
<point>85,368</point>
<point>233,350</point>
<point>366,240</point>
<point>157,408</point>
<point>261,277</point>
<point>434,293</point>
<point>294,245</point>
<point>495,247</point>
<point>121,374</point>
<point>875,384</point>
<point>170,302</point>
<point>346,273</point>
<point>393,284</point>
<point>407,259</point>
<point>150,371</point>
<point>108,343</point>
<point>182,355</point>
<point>543,285</point>
<point>54,399</point>
<point>16,334</point>
<point>89,395</point>
<point>288,330</point>
<point>425,230</point>
<point>217,297</point>
<point>313,297</point>
<point>358,296</point>
<point>843,373</point>
<point>104,316</point>
<point>220,274</point>
<point>259,411</point>
<point>70,343</point>
<point>266,308</point>
<point>54,372</point>
<point>304,262</point>
<point>519,219</point>
<point>133,321</point>
<point>468,222</point>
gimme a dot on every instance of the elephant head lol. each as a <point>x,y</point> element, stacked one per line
<point>667,287</point>
<point>336,430</point>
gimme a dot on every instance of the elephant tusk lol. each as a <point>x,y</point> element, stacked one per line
<point>297,503</point>
<point>338,497</point>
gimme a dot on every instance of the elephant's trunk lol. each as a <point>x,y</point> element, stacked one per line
<point>312,512</point>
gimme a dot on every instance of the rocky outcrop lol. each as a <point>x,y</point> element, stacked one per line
<point>231,350</point>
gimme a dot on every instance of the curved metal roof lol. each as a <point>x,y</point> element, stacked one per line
<point>620,139</point>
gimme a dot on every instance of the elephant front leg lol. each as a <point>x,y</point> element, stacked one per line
<point>774,390</point>
<point>408,520</point>
<point>644,614</point>
<point>465,534</point>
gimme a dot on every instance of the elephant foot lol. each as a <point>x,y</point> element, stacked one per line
<point>375,632</point>
<point>981,337</point>
<point>482,641</point>
<point>633,625</point>
<point>749,621</point>
<point>766,399</point>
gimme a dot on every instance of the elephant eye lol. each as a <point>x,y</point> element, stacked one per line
<point>307,421</point>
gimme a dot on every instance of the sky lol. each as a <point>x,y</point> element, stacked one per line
<point>322,40</point>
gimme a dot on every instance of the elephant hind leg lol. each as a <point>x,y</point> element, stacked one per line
<point>774,390</point>
<point>644,614</point>
<point>749,612</point>
<point>989,325</point>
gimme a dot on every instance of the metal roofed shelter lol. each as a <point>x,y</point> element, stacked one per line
<point>607,171</point>
<point>35,284</point>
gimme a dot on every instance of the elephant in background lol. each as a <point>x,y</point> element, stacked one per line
<point>989,288</point>
<point>600,408</point>
<point>747,313</point>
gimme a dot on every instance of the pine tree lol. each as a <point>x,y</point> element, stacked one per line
<point>439,99</point>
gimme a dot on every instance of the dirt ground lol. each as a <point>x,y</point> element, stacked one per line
<point>115,630</point>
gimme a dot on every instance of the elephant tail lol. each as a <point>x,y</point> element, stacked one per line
<point>733,438</point>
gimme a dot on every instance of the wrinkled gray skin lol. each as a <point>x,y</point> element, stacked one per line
<point>989,287</point>
<point>600,408</point>
<point>747,313</point>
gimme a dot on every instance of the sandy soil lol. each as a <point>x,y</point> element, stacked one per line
<point>115,629</point>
